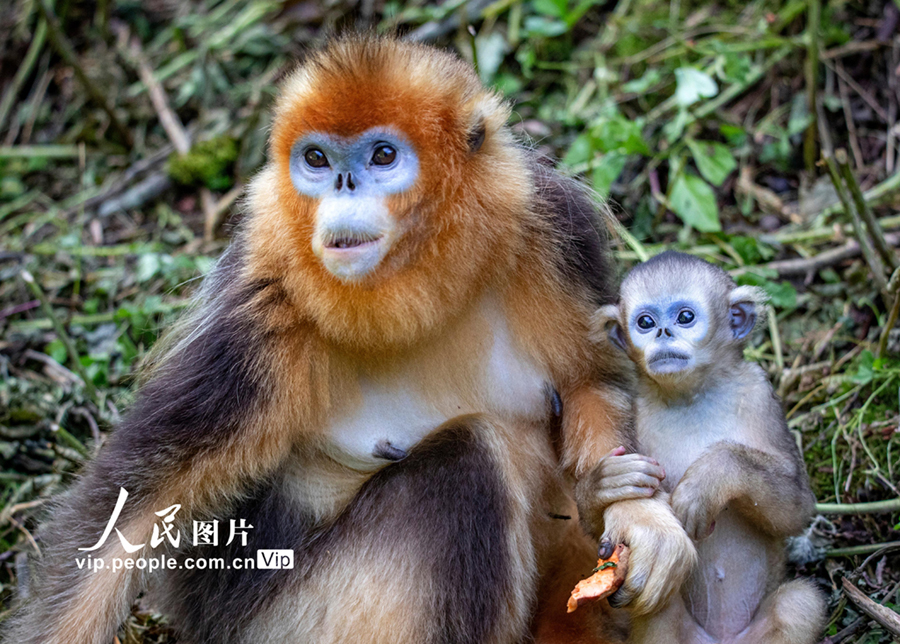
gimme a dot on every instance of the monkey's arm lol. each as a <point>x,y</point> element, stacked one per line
<point>596,420</point>
<point>202,426</point>
<point>770,490</point>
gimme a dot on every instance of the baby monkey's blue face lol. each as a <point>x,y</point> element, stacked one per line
<point>668,333</point>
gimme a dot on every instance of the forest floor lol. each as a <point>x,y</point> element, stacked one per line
<point>762,136</point>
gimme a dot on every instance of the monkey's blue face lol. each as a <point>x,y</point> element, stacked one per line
<point>352,179</point>
<point>668,333</point>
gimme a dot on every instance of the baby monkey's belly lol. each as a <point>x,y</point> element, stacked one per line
<point>730,580</point>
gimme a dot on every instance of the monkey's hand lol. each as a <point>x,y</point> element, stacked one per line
<point>618,477</point>
<point>662,555</point>
<point>769,489</point>
<point>700,496</point>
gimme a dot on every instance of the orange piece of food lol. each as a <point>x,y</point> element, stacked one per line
<point>608,576</point>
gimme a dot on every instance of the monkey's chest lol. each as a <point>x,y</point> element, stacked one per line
<point>478,367</point>
<point>677,435</point>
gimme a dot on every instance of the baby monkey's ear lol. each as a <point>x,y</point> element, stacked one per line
<point>605,324</point>
<point>747,305</point>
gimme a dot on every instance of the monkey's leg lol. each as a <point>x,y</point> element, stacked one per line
<point>672,625</point>
<point>793,614</point>
<point>210,421</point>
<point>434,548</point>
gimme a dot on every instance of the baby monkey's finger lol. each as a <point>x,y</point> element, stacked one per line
<point>636,479</point>
<point>628,493</point>
<point>633,463</point>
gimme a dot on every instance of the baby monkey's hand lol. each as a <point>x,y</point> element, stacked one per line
<point>623,477</point>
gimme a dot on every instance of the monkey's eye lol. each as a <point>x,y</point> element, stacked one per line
<point>315,158</point>
<point>384,155</point>
<point>646,322</point>
<point>685,317</point>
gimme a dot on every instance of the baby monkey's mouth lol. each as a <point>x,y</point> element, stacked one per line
<point>668,355</point>
<point>668,362</point>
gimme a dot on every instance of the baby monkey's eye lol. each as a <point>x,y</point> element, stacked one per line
<point>646,322</point>
<point>384,155</point>
<point>315,158</point>
<point>686,317</point>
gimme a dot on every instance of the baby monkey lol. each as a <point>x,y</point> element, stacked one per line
<point>712,436</point>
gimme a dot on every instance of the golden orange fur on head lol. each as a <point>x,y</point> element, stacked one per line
<point>459,225</point>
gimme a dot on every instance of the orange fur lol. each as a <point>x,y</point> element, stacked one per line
<point>475,204</point>
<point>475,271</point>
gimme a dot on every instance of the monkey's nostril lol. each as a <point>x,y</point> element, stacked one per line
<point>659,333</point>
<point>350,185</point>
<point>340,182</point>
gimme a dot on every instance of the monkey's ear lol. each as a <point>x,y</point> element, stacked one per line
<point>747,304</point>
<point>605,325</point>
<point>476,135</point>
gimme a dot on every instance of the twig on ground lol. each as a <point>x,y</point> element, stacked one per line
<point>806,265</point>
<point>64,49</point>
<point>875,507</point>
<point>865,211</point>
<point>814,12</point>
<point>866,549</point>
<point>874,262</point>
<point>872,196</point>
<point>24,71</point>
<point>893,290</point>
<point>61,333</point>
<point>887,618</point>
<point>851,122</point>
<point>136,196</point>
<point>170,122</point>
<point>211,224</point>
<point>844,633</point>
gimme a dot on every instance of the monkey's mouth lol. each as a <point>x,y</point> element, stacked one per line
<point>349,241</point>
<point>351,254</point>
<point>668,362</point>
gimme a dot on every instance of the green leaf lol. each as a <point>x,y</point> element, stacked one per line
<point>491,50</point>
<point>617,133</point>
<point>148,266</point>
<point>607,171</point>
<point>644,83</point>
<point>782,295</point>
<point>555,8</point>
<point>674,128</point>
<point>866,371</point>
<point>714,160</point>
<point>692,85</point>
<point>695,203</point>
<point>541,27</point>
<point>580,151</point>
<point>735,135</point>
<point>800,117</point>
<point>57,350</point>
<point>604,566</point>
<point>735,68</point>
<point>751,250</point>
